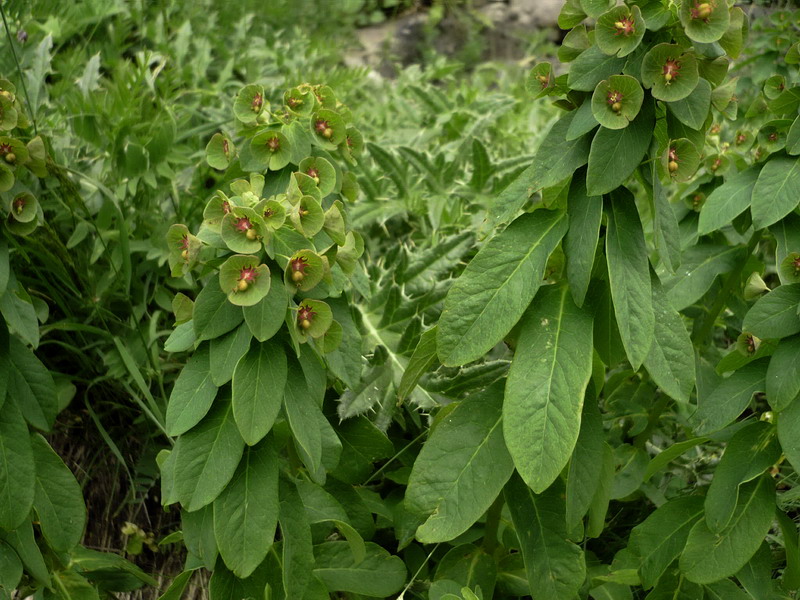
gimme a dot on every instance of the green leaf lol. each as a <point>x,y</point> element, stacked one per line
<point>10,567</point>
<point>17,309</point>
<point>699,268</point>
<point>198,535</point>
<point>751,451</point>
<point>226,351</point>
<point>728,201</point>
<point>791,574</point>
<point>729,398</point>
<point>265,318</point>
<point>31,384</point>
<point>379,574</point>
<point>788,426</point>
<point>453,483</point>
<point>580,244</point>
<point>246,512</point>
<point>177,586</point>
<point>725,589</point>
<point>775,314</point>
<point>777,191</point>
<point>710,556</point>
<point>555,566</point>
<point>17,470</point>
<point>665,225</point>
<point>58,499</point>
<point>670,361</point>
<point>496,287</point>
<point>304,416</point>
<point>546,384</point>
<point>583,476</point>
<point>423,358</point>
<point>661,537</point>
<point>692,110</point>
<point>629,277</point>
<point>615,153</point>
<point>213,314</point>
<point>258,384</point>
<point>666,456</point>
<point>591,67</point>
<point>787,238</point>
<point>192,395</point>
<point>783,374</point>
<point>362,444</point>
<point>206,457</point>
<point>297,551</point>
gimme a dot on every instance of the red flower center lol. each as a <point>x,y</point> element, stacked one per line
<point>614,97</point>
<point>320,125</point>
<point>796,265</point>
<point>672,69</point>
<point>625,26</point>
<point>274,143</point>
<point>243,224</point>
<point>226,206</point>
<point>225,147</point>
<point>299,264</point>
<point>19,204</point>
<point>313,172</point>
<point>258,102</point>
<point>248,274</point>
<point>5,148</point>
<point>305,313</point>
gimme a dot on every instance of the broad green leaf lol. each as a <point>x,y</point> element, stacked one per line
<point>265,318</point>
<point>10,567</point>
<point>258,385</point>
<point>756,575</point>
<point>207,456</point>
<point>177,586</point>
<point>192,395</point>
<point>791,545</point>
<point>665,225</point>
<point>583,476</point>
<point>73,586</point>
<point>20,316</point>
<point>751,451</point>
<point>775,314</point>
<point>728,201</point>
<point>423,358</point>
<point>725,589</point>
<point>607,340</point>
<point>729,398</point>
<point>24,544</point>
<point>94,564</point>
<point>783,374</point>
<point>788,426</point>
<point>213,314</point>
<point>661,537</point>
<point>246,512</point>
<point>699,268</point>
<point>546,384</point>
<point>557,157</point>
<point>777,191</point>
<point>555,566</point>
<point>379,574</point>
<point>224,585</point>
<point>692,110</point>
<point>297,551</point>
<point>496,287</point>
<point>304,417</point>
<point>362,444</point>
<point>453,483</point>
<point>615,153</point>
<point>17,470</point>
<point>580,244</point>
<point>710,556</point>
<point>787,238</point>
<point>198,535</point>
<point>674,585</point>
<point>31,384</point>
<point>58,500</point>
<point>629,277</point>
<point>599,507</point>
<point>591,67</point>
<point>226,352</point>
<point>630,464</point>
<point>469,566</point>
<point>670,361</point>
<point>666,456</point>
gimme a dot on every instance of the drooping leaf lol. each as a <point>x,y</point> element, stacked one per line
<point>729,398</point>
<point>728,201</point>
<point>699,268</point>
<point>17,469</point>
<point>32,385</point>
<point>583,476</point>
<point>297,550</point>
<point>379,574</point>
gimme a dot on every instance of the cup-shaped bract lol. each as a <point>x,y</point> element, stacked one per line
<point>717,164</point>
<point>704,21</point>
<point>250,103</point>
<point>789,268</point>
<point>326,96</point>
<point>616,101</point>
<point>334,223</point>
<point>6,177</point>
<point>349,187</point>
<point>302,185</point>
<point>8,114</point>
<point>680,160</point>
<point>314,317</point>
<point>772,135</point>
<point>243,230</point>
<point>620,30</point>
<point>331,339</point>
<point>304,270</point>
<point>347,256</point>
<point>220,151</point>
<point>353,145</point>
<point>328,128</point>
<point>244,279</point>
<point>307,216</point>
<point>184,249</point>
<point>321,171</point>
<point>670,72</point>
<point>271,149</point>
<point>23,207</point>
<point>216,208</point>
<point>20,228</point>
<point>272,212</point>
<point>13,152</point>
<point>540,80</point>
<point>299,101</point>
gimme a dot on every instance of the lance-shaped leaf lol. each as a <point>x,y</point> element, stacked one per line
<point>58,500</point>
<point>546,384</point>
<point>496,287</point>
<point>17,470</point>
<point>206,457</point>
<point>777,191</point>
<point>728,201</point>
<point>661,537</point>
<point>701,264</point>
<point>629,277</point>
<point>670,361</point>
<point>379,574</point>
<point>246,513</point>
<point>258,384</point>
<point>556,567</point>
<point>193,393</point>
<point>710,556</point>
<point>583,477</point>
<point>775,314</point>
<point>580,244</point>
<point>453,482</point>
<point>729,398</point>
<point>213,315</point>
<point>297,549</point>
<point>31,385</point>
<point>783,374</point>
<point>751,451</point>
<point>304,417</point>
<point>788,426</point>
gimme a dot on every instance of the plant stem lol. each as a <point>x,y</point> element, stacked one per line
<point>492,523</point>
<point>705,327</point>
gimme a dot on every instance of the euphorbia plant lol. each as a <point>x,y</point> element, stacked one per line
<point>606,290</point>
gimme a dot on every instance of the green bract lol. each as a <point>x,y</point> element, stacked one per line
<point>307,216</point>
<point>705,21</point>
<point>304,270</point>
<point>243,230</point>
<point>299,101</point>
<point>540,80</point>
<point>314,317</point>
<point>620,30</point>
<point>328,128</point>
<point>272,149</point>
<point>616,101</point>
<point>250,103</point>
<point>272,212</point>
<point>321,171</point>
<point>680,160</point>
<point>220,151</point>
<point>244,280</point>
<point>670,72</point>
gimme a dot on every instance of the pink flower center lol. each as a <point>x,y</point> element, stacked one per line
<point>243,224</point>
<point>248,274</point>
<point>226,207</point>
<point>625,26</point>
<point>614,97</point>
<point>258,102</point>
<point>312,172</point>
<point>5,148</point>
<point>185,242</point>
<point>320,125</point>
<point>299,264</point>
<point>274,143</point>
<point>672,68</point>
<point>305,313</point>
